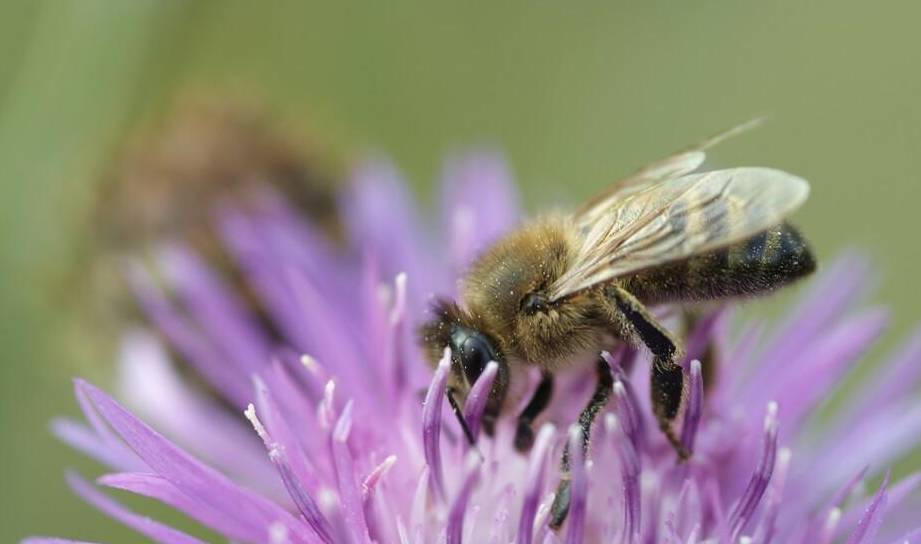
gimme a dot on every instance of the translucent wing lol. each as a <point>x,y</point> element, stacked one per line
<point>648,225</point>
<point>679,164</point>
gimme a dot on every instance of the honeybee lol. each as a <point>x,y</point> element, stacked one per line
<point>564,287</point>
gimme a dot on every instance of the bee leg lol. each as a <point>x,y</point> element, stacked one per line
<point>459,414</point>
<point>524,434</point>
<point>560,508</point>
<point>667,382</point>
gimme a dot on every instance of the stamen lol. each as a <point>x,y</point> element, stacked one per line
<point>396,358</point>
<point>628,413</point>
<point>302,499</point>
<point>630,474</point>
<point>398,310</point>
<point>326,412</point>
<point>310,364</point>
<point>842,494</point>
<point>579,489</point>
<point>534,482</point>
<point>767,527</point>
<point>431,423</point>
<point>344,423</point>
<point>694,407</point>
<point>370,483</point>
<point>626,404</point>
<point>418,514</point>
<point>872,518</point>
<point>830,527</point>
<point>478,397</point>
<point>749,500</point>
<point>349,493</point>
<point>250,414</point>
<point>541,521</point>
<point>304,372</point>
<point>278,534</point>
<point>455,524</point>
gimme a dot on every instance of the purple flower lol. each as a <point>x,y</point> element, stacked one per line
<point>329,441</point>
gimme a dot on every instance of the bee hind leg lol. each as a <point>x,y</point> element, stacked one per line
<point>561,500</point>
<point>524,433</point>
<point>667,380</point>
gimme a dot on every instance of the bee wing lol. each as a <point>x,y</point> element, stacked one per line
<point>650,225</point>
<point>679,164</point>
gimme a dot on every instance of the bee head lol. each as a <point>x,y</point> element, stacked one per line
<point>472,348</point>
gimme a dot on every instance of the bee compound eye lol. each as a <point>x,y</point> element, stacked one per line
<point>474,351</point>
<point>475,355</point>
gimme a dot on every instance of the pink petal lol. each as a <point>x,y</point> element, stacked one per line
<point>142,524</point>
<point>203,483</point>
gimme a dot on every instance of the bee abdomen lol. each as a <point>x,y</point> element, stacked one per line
<point>780,253</point>
<point>768,260</point>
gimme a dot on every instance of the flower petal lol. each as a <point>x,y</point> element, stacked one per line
<point>843,284</point>
<point>195,420</point>
<point>82,438</point>
<point>159,488</point>
<point>194,347</point>
<point>479,203</point>
<point>242,509</point>
<point>215,309</point>
<point>142,524</point>
<point>809,376</point>
<point>381,219</point>
<point>893,379</point>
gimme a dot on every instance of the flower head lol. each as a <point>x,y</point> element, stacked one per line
<point>328,440</point>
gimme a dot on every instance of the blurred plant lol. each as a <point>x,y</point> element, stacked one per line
<point>170,179</point>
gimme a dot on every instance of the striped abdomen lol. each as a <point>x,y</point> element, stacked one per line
<point>769,260</point>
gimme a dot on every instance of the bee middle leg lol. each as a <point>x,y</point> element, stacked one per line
<point>667,381</point>
<point>524,433</point>
<point>560,508</point>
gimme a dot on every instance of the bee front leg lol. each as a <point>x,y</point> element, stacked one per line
<point>603,389</point>
<point>667,381</point>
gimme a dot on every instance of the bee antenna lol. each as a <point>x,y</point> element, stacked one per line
<point>463,421</point>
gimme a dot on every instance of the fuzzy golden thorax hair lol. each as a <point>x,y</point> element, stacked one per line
<point>504,296</point>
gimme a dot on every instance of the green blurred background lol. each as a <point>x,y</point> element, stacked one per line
<point>576,93</point>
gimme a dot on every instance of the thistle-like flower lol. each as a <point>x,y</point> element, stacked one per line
<point>328,439</point>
